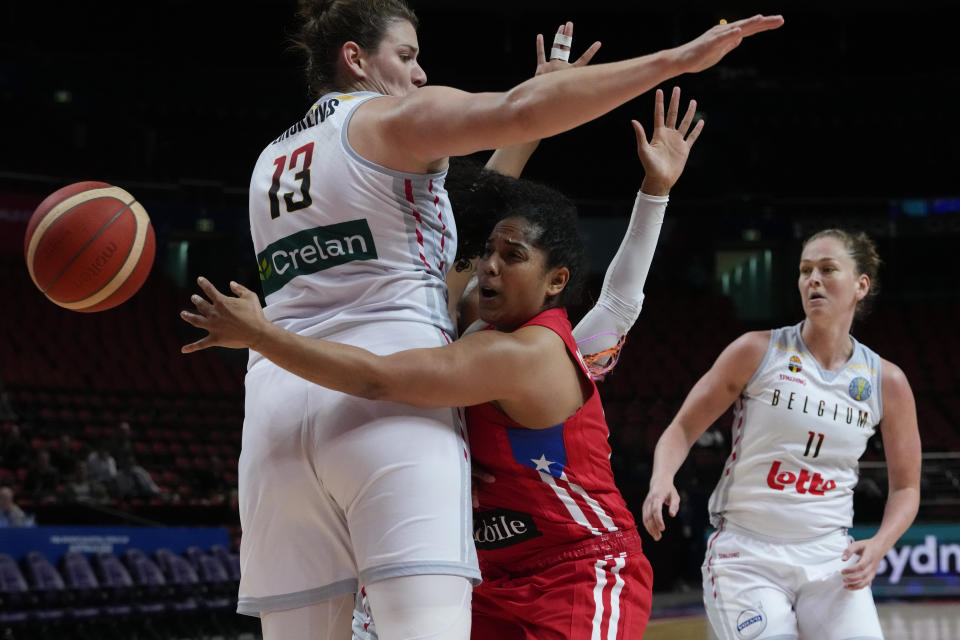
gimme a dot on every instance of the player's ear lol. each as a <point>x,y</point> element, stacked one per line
<point>558,280</point>
<point>352,60</point>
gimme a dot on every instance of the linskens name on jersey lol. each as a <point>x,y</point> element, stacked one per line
<point>502,528</point>
<point>313,250</point>
<point>315,116</point>
<point>804,404</point>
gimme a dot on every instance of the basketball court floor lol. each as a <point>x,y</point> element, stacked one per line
<point>901,620</point>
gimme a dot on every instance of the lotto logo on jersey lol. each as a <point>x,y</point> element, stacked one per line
<point>801,481</point>
<point>313,250</point>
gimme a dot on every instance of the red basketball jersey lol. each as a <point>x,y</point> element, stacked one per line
<point>553,486</point>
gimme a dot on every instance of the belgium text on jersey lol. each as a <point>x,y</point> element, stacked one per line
<point>313,250</point>
<point>821,408</point>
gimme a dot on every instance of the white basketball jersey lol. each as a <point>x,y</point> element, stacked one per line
<point>798,433</point>
<point>342,241</point>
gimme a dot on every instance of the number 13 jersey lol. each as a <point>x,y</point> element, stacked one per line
<point>798,433</point>
<point>341,241</point>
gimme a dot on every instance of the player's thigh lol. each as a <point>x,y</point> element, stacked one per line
<point>327,620</point>
<point>285,511</point>
<point>827,611</point>
<point>425,607</point>
<point>744,604</point>
<point>403,481</point>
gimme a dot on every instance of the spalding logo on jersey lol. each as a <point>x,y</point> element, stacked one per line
<point>795,365</point>
<point>313,250</point>
<point>859,388</point>
<point>750,623</point>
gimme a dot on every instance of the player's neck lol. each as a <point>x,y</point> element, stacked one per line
<point>829,343</point>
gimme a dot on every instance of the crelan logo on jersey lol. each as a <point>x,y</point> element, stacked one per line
<point>313,250</point>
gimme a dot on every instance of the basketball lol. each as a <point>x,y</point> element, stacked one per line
<point>89,246</point>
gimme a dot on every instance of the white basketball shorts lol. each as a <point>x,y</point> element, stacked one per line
<point>755,588</point>
<point>335,489</point>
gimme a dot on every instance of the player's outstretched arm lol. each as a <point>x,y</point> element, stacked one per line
<point>431,123</point>
<point>483,367</point>
<point>663,158</point>
<point>707,400</point>
<point>901,445</point>
<point>510,161</point>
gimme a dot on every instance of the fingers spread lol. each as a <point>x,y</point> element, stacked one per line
<point>195,319</point>
<point>673,108</point>
<point>587,55</point>
<point>207,287</point>
<point>239,290</point>
<point>641,136</point>
<point>541,55</point>
<point>658,109</point>
<point>697,128</point>
<point>201,304</point>
<point>687,118</point>
<point>199,345</point>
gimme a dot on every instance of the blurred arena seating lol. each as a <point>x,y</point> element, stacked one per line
<point>133,595</point>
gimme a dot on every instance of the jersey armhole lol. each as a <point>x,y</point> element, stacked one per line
<point>763,361</point>
<point>369,164</point>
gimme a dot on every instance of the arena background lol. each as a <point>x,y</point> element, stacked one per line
<point>845,116</point>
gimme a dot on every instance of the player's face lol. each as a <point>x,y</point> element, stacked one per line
<point>512,277</point>
<point>393,68</point>
<point>829,282</point>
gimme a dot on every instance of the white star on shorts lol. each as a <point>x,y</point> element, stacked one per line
<point>542,464</point>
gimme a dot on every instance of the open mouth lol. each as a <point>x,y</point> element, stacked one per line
<point>487,292</point>
<point>816,296</point>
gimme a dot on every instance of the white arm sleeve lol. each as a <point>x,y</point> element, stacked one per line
<point>621,296</point>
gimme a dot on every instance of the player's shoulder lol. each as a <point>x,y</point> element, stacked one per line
<point>893,378</point>
<point>751,345</point>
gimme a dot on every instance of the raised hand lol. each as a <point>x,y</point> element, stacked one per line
<point>233,322</point>
<point>555,64</point>
<point>665,155</point>
<point>707,50</point>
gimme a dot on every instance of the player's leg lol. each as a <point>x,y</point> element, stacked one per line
<point>327,620</point>
<point>827,611</point>
<point>422,607</point>
<point>746,590</point>
<point>295,550</point>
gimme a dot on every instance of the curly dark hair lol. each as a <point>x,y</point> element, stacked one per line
<point>481,198</point>
<point>864,253</point>
<point>328,24</point>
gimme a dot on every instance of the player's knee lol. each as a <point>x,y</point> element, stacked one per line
<point>426,607</point>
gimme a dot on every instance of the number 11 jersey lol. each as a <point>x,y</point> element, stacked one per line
<point>798,433</point>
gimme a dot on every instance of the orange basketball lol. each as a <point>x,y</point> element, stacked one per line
<point>89,246</point>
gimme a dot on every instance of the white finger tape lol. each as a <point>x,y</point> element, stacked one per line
<point>559,54</point>
<point>562,38</point>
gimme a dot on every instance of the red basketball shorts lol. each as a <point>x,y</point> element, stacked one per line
<point>590,590</point>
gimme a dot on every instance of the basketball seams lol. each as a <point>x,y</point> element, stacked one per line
<point>129,264</point>
<point>79,253</point>
<point>61,209</point>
